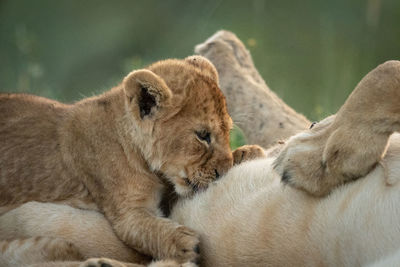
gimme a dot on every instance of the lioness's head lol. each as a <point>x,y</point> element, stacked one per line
<point>181,121</point>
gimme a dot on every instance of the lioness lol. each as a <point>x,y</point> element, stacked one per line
<point>249,218</point>
<point>114,152</point>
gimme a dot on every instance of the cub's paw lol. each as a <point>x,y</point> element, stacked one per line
<point>171,263</point>
<point>102,262</point>
<point>182,245</point>
<point>247,152</point>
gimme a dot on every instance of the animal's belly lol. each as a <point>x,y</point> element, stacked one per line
<point>358,223</point>
<point>249,218</point>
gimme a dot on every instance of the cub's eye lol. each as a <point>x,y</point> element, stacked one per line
<point>312,125</point>
<point>204,136</point>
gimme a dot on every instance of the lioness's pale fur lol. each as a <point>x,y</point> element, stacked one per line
<point>251,219</point>
<point>114,152</point>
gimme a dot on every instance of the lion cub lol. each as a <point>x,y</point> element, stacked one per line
<point>347,146</point>
<point>167,123</point>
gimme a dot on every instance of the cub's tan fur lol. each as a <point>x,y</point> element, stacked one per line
<point>349,145</point>
<point>167,123</point>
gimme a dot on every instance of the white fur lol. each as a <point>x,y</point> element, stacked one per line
<point>358,224</point>
<point>390,261</point>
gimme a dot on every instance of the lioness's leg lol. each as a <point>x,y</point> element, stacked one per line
<point>103,262</point>
<point>349,145</point>
<point>56,252</point>
<point>95,262</point>
<point>87,230</point>
<point>22,252</point>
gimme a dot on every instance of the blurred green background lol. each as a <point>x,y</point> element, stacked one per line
<point>312,53</point>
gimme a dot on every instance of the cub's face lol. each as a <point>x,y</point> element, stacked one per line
<point>195,142</point>
<point>184,119</point>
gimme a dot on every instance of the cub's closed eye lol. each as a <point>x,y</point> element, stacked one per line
<point>312,125</point>
<point>204,136</point>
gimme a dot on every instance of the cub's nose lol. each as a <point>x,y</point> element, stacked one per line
<point>223,166</point>
<point>217,176</point>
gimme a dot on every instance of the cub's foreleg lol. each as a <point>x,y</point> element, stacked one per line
<point>137,221</point>
<point>128,194</point>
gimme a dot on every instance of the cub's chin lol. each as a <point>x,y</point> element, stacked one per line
<point>183,191</point>
<point>177,183</point>
<point>184,187</point>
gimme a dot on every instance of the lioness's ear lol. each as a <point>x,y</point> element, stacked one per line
<point>205,66</point>
<point>146,92</point>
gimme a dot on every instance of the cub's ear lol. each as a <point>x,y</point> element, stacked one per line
<point>206,67</point>
<point>146,92</point>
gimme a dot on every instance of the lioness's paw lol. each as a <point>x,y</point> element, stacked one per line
<point>247,152</point>
<point>330,154</point>
<point>300,165</point>
<point>171,263</point>
<point>182,245</point>
<point>102,262</point>
<point>350,145</point>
